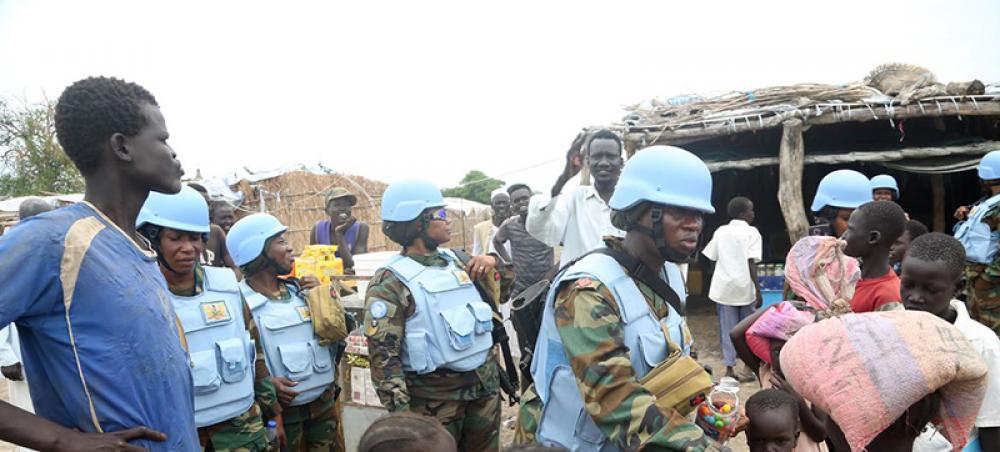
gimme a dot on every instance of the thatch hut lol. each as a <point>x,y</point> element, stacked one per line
<point>298,197</point>
<point>775,144</point>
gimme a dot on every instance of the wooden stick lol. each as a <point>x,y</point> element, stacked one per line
<point>791,161</point>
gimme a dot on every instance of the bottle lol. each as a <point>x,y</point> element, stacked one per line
<point>272,434</point>
<point>718,415</point>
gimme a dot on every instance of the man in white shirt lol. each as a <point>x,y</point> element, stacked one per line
<point>932,275</point>
<point>579,220</point>
<point>736,249</point>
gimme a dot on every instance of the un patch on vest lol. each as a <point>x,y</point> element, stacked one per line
<point>215,312</point>
<point>462,277</point>
<point>378,309</point>
<point>304,313</point>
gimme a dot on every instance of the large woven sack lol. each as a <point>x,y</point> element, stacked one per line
<point>866,370</point>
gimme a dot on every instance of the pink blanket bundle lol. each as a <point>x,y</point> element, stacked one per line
<point>819,272</point>
<point>866,370</point>
<point>781,321</point>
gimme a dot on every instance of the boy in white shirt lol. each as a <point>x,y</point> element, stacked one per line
<point>736,249</point>
<point>932,275</point>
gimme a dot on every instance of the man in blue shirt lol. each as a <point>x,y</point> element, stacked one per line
<point>99,338</point>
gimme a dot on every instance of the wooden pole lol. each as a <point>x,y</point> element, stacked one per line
<point>937,188</point>
<point>791,158</point>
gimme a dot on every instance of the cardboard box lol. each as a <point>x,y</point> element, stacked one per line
<point>371,397</point>
<point>360,380</point>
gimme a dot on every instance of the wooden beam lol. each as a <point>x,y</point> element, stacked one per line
<point>937,189</point>
<point>981,148</point>
<point>791,161</point>
<point>828,114</point>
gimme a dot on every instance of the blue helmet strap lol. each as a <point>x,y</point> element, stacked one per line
<point>425,222</point>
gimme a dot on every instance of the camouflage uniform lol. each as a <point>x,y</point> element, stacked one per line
<point>983,283</point>
<point>588,320</point>
<point>314,426</point>
<point>243,433</point>
<point>466,403</point>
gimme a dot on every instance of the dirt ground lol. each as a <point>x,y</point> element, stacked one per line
<point>705,327</point>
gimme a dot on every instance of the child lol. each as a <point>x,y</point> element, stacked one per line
<point>872,229</point>
<point>882,375</point>
<point>774,421</point>
<point>932,276</point>
<point>406,432</point>
<point>898,249</point>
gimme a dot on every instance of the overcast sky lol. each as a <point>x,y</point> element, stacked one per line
<point>386,89</point>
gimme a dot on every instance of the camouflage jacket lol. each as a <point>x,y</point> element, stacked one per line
<point>589,323</point>
<point>385,343</point>
<point>264,394</point>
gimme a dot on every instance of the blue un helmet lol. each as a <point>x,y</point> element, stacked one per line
<point>989,166</point>
<point>406,199</point>
<point>846,189</point>
<point>885,182</point>
<point>247,237</point>
<point>184,211</point>
<point>664,175</point>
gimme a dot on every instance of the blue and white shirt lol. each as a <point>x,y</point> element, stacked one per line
<point>98,334</point>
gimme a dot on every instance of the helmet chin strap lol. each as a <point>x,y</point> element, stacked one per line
<point>656,233</point>
<point>429,243</point>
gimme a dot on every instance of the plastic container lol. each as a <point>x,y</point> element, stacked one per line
<point>272,434</point>
<point>718,415</point>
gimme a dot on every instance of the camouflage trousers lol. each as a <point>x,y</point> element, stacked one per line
<point>528,415</point>
<point>314,427</point>
<point>243,433</point>
<point>475,424</point>
<point>983,297</point>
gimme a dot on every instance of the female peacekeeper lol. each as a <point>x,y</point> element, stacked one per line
<point>295,355</point>
<point>428,328</point>
<point>233,391</point>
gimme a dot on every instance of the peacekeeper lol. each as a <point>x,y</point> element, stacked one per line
<point>428,328</point>
<point>603,330</point>
<point>296,357</point>
<point>233,391</point>
<point>837,195</point>
<point>979,232</point>
<point>885,188</point>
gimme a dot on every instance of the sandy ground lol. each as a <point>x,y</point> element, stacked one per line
<point>704,326</point>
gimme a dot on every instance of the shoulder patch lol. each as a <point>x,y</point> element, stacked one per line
<point>378,309</point>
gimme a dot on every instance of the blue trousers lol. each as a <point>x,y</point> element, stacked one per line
<point>729,316</point>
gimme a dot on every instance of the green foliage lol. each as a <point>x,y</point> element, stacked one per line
<point>475,186</point>
<point>31,160</point>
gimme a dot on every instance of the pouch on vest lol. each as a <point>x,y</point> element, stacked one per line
<point>327,311</point>
<point>297,359</point>
<point>205,373</point>
<point>678,383</point>
<point>461,326</point>
<point>232,359</point>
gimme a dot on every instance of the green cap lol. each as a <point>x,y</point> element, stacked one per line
<point>340,192</point>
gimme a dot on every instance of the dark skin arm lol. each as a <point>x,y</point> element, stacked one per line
<point>756,283</point>
<point>25,429</point>
<point>739,338</point>
<point>989,438</point>
<point>574,162</point>
<point>499,239</point>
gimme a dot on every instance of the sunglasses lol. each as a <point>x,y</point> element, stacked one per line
<point>440,215</point>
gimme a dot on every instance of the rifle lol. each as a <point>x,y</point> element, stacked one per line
<point>509,382</point>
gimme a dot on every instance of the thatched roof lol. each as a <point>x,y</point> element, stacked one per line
<point>890,92</point>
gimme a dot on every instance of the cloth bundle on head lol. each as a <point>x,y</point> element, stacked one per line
<point>866,370</point>
<point>818,271</point>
